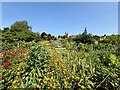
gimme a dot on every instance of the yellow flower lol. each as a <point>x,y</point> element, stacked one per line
<point>77,77</point>
<point>49,73</point>
<point>52,77</point>
<point>35,85</point>
<point>47,79</point>
<point>54,87</point>
<point>63,72</point>
<point>45,82</point>
<point>65,82</point>
<point>52,69</point>
<point>22,71</point>
<point>14,82</point>
<point>38,86</point>
<point>50,85</point>
<point>11,80</point>
<point>63,79</point>
<point>72,76</point>
<point>18,68</point>
<point>18,73</point>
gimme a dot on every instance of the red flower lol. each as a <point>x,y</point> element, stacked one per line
<point>6,65</point>
<point>3,77</point>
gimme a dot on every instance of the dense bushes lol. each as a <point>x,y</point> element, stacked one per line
<point>37,65</point>
<point>37,58</point>
<point>82,67</point>
<point>19,31</point>
<point>56,64</point>
<point>19,44</point>
<point>84,38</point>
<point>27,70</point>
<point>12,60</point>
<point>90,68</point>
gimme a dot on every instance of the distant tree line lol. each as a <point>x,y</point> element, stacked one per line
<point>45,36</point>
<point>88,38</point>
<point>22,31</point>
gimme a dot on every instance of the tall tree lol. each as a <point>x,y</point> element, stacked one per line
<point>84,38</point>
<point>20,30</point>
<point>43,35</point>
<point>20,25</point>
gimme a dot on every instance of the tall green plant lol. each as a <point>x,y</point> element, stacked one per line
<point>36,68</point>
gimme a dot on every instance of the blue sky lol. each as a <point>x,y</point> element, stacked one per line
<point>57,18</point>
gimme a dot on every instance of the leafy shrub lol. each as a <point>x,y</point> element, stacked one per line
<point>7,46</point>
<point>38,58</point>
<point>85,67</point>
<point>24,44</point>
<point>36,67</point>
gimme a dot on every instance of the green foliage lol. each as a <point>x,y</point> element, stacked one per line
<point>57,64</point>
<point>87,39</point>
<point>84,38</point>
<point>24,44</point>
<point>94,66</point>
<point>45,36</point>
<point>87,66</point>
<point>112,39</point>
<point>77,38</point>
<point>36,67</point>
<point>15,59</point>
<point>64,36</point>
<point>20,25</point>
<point>19,31</point>
<point>38,57</point>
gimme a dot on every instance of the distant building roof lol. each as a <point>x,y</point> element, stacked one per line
<point>72,36</point>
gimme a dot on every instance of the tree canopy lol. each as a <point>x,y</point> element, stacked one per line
<point>84,38</point>
<point>20,25</point>
<point>20,30</point>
